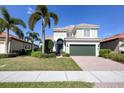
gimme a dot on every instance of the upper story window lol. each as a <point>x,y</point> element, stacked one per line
<point>87,33</point>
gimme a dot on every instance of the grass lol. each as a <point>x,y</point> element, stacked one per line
<point>67,84</point>
<point>30,64</point>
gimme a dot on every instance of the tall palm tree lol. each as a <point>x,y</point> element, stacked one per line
<point>42,13</point>
<point>9,23</point>
<point>32,36</point>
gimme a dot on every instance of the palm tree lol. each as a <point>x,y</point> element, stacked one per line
<point>42,13</point>
<point>9,23</point>
<point>32,36</point>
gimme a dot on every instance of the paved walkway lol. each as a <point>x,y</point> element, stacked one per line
<point>90,63</point>
<point>102,79</point>
<point>39,76</point>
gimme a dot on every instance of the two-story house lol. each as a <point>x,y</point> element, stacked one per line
<point>77,40</point>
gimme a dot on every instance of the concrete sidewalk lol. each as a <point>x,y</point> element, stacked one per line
<point>46,76</point>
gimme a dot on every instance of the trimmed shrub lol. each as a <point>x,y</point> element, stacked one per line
<point>8,55</point>
<point>40,55</point>
<point>116,56</point>
<point>48,46</point>
<point>28,52</point>
<point>35,49</point>
<point>51,55</point>
<point>112,55</point>
<point>36,54</point>
<point>65,54</point>
<point>21,52</point>
<point>104,53</point>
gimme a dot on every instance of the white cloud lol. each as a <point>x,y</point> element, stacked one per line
<point>30,10</point>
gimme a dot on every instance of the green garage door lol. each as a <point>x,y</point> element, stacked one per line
<point>82,50</point>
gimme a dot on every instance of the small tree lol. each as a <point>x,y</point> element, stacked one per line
<point>9,23</point>
<point>43,14</point>
<point>49,46</point>
<point>32,37</point>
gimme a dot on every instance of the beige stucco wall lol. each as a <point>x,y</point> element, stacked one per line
<point>2,47</point>
<point>59,35</point>
<point>121,48</point>
<point>16,45</point>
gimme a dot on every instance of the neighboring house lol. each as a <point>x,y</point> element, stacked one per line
<point>15,44</point>
<point>114,43</point>
<point>77,40</point>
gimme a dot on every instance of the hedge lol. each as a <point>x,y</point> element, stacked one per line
<point>36,54</point>
<point>116,56</point>
<point>112,55</point>
<point>104,53</point>
<point>28,52</point>
<point>8,55</point>
<point>40,55</point>
<point>65,54</point>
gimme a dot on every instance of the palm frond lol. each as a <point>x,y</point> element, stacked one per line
<point>32,35</point>
<point>17,21</point>
<point>37,39</point>
<point>5,13</point>
<point>17,31</point>
<point>42,9</point>
<point>27,32</point>
<point>3,25</point>
<point>27,38</point>
<point>33,19</point>
<point>35,34</point>
<point>55,17</point>
<point>47,20</point>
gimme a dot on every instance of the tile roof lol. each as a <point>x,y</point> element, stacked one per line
<point>78,26</point>
<point>3,35</point>
<point>66,28</point>
<point>87,26</point>
<point>118,36</point>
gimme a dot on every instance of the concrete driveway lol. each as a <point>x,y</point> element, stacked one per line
<point>90,63</point>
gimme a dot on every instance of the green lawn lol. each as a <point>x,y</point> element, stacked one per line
<point>30,63</point>
<point>47,85</point>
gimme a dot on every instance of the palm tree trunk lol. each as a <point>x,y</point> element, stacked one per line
<point>32,48</point>
<point>7,41</point>
<point>43,39</point>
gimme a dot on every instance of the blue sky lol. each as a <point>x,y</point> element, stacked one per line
<point>110,18</point>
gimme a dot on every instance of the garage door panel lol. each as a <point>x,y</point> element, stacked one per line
<point>82,50</point>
